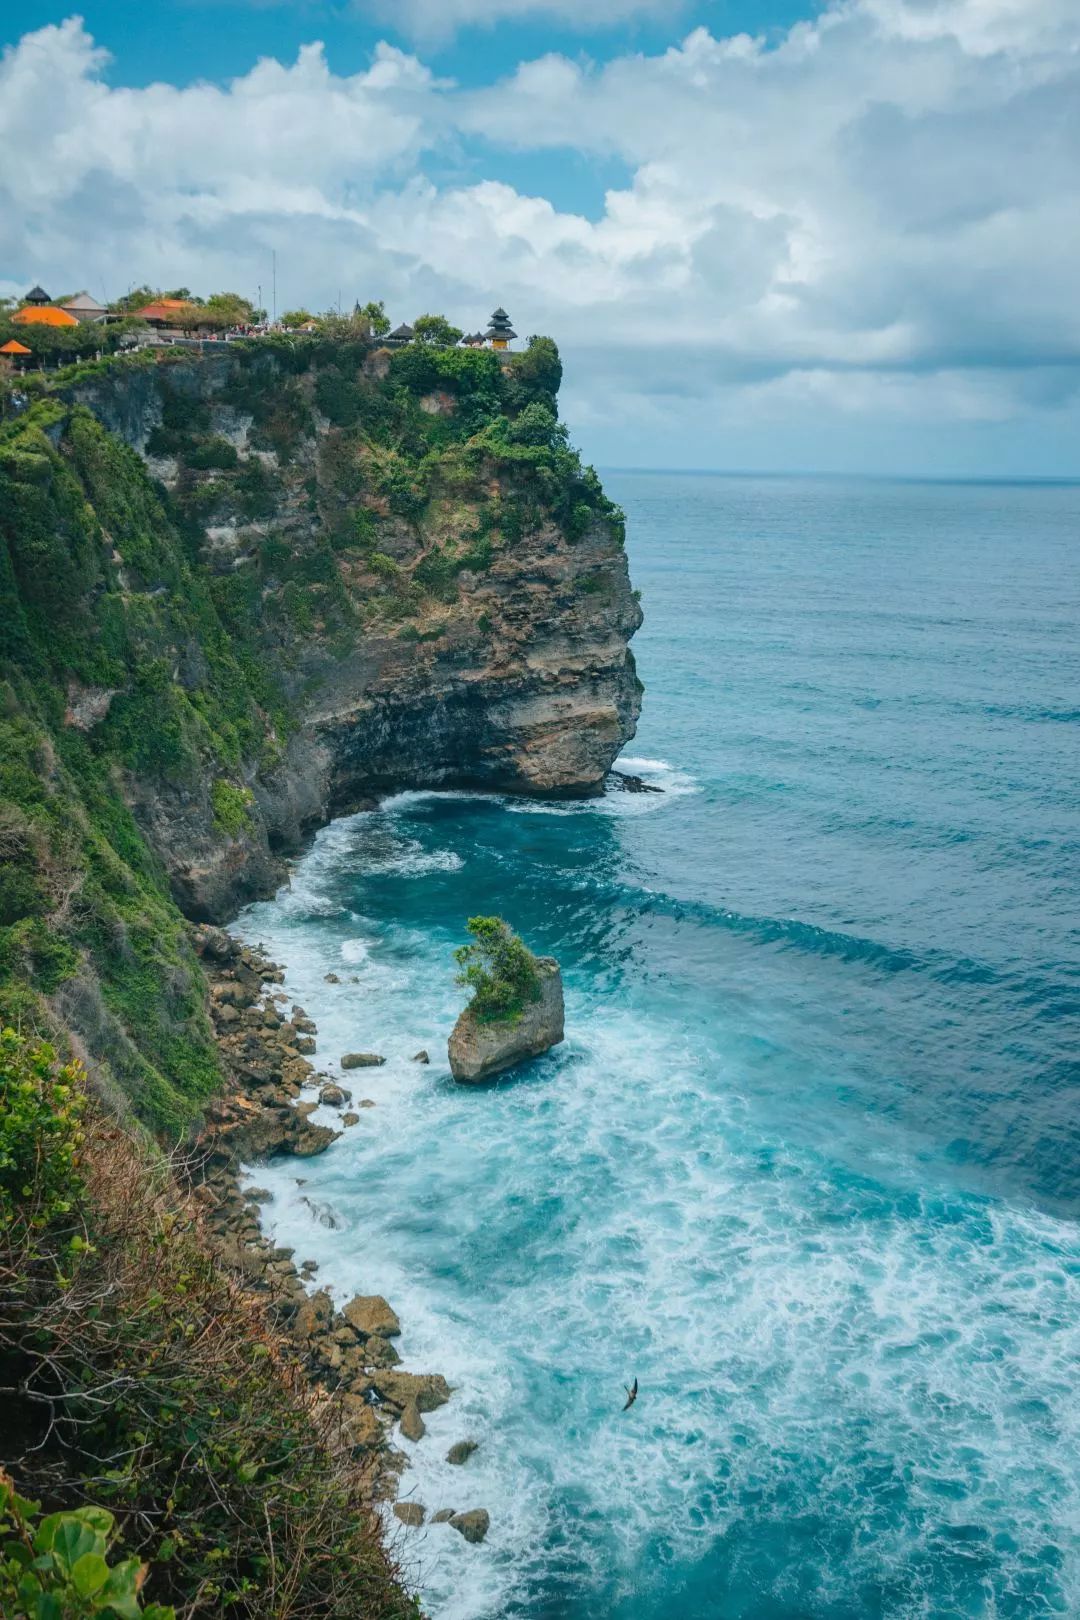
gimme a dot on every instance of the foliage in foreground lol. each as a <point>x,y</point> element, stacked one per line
<point>56,1568</point>
<point>140,1382</point>
<point>499,969</point>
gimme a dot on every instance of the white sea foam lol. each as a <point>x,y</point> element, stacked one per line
<point>822,1339</point>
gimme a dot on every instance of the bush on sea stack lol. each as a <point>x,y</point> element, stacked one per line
<point>516,1011</point>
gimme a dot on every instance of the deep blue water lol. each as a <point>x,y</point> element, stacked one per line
<point>809,1161</point>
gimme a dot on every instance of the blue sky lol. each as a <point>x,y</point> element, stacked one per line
<point>835,236</point>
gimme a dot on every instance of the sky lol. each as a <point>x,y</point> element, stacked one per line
<point>780,235</point>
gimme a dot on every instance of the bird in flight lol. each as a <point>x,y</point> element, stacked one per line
<point>631,1395</point>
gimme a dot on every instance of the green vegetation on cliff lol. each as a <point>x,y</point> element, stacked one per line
<point>146,677</point>
<point>149,1401</point>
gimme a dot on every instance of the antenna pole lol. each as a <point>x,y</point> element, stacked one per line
<point>274,257</point>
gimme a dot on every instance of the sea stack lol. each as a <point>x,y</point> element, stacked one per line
<point>479,1049</point>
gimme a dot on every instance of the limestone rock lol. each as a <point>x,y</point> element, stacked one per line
<point>473,1525</point>
<point>412,1424</point>
<point>361,1060</point>
<point>334,1096</point>
<point>477,1051</point>
<point>411,1513</point>
<point>370,1315</point>
<point>428,1390</point>
<point>421,1056</point>
<point>443,1516</point>
<point>350,1119</point>
<point>461,1451</point>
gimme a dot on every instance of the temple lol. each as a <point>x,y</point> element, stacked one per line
<point>500,331</point>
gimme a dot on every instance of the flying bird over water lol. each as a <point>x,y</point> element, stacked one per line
<point>631,1395</point>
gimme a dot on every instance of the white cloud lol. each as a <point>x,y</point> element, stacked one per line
<point>881,208</point>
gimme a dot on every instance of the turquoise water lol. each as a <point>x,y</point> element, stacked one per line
<point>809,1161</point>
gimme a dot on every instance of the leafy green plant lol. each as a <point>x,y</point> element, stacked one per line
<point>56,1568</point>
<point>499,969</point>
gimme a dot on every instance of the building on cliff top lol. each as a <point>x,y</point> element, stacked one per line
<point>43,315</point>
<point>401,334</point>
<point>500,331</point>
<point>84,307</point>
<point>36,295</point>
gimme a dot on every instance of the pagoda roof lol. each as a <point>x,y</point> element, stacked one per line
<point>403,331</point>
<point>43,315</point>
<point>13,347</point>
<point>37,295</point>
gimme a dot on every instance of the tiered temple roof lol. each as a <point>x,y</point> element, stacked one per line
<point>500,330</point>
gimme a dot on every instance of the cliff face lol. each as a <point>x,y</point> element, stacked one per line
<point>241,594</point>
<point>467,639</point>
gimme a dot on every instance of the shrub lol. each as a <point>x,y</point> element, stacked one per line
<point>56,1568</point>
<point>231,806</point>
<point>500,970</point>
<point>40,1111</point>
<point>151,1384</point>
<point>213,452</point>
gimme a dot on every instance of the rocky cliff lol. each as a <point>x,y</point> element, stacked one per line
<point>241,594</point>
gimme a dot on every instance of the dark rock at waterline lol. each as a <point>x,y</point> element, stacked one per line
<point>479,1050</point>
<point>361,1060</point>
<point>421,1057</point>
<point>443,1516</point>
<point>623,782</point>
<point>461,1451</point>
<point>258,1195</point>
<point>331,978</point>
<point>350,1119</point>
<point>473,1525</point>
<point>410,1513</point>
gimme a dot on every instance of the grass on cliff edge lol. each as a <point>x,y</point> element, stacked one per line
<point>137,1378</point>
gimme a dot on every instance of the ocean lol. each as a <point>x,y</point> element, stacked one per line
<point>808,1163</point>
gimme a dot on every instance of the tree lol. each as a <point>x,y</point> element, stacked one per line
<point>375,315</point>
<point>499,969</point>
<point>535,375</point>
<point>436,329</point>
<point>537,426</point>
<point>293,318</point>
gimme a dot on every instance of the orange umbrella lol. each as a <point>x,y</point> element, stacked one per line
<point>11,347</point>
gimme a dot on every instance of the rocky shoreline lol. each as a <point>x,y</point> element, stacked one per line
<point>272,1089</point>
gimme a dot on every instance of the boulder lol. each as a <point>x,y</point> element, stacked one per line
<point>370,1314</point>
<point>472,1525</point>
<point>478,1050</point>
<point>313,1318</point>
<point>461,1451</point>
<point>350,1119</point>
<point>361,1060</point>
<point>421,1057</point>
<point>443,1516</point>
<point>412,1424</point>
<point>397,1389</point>
<point>331,978</point>
<point>410,1513</point>
<point>334,1096</point>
